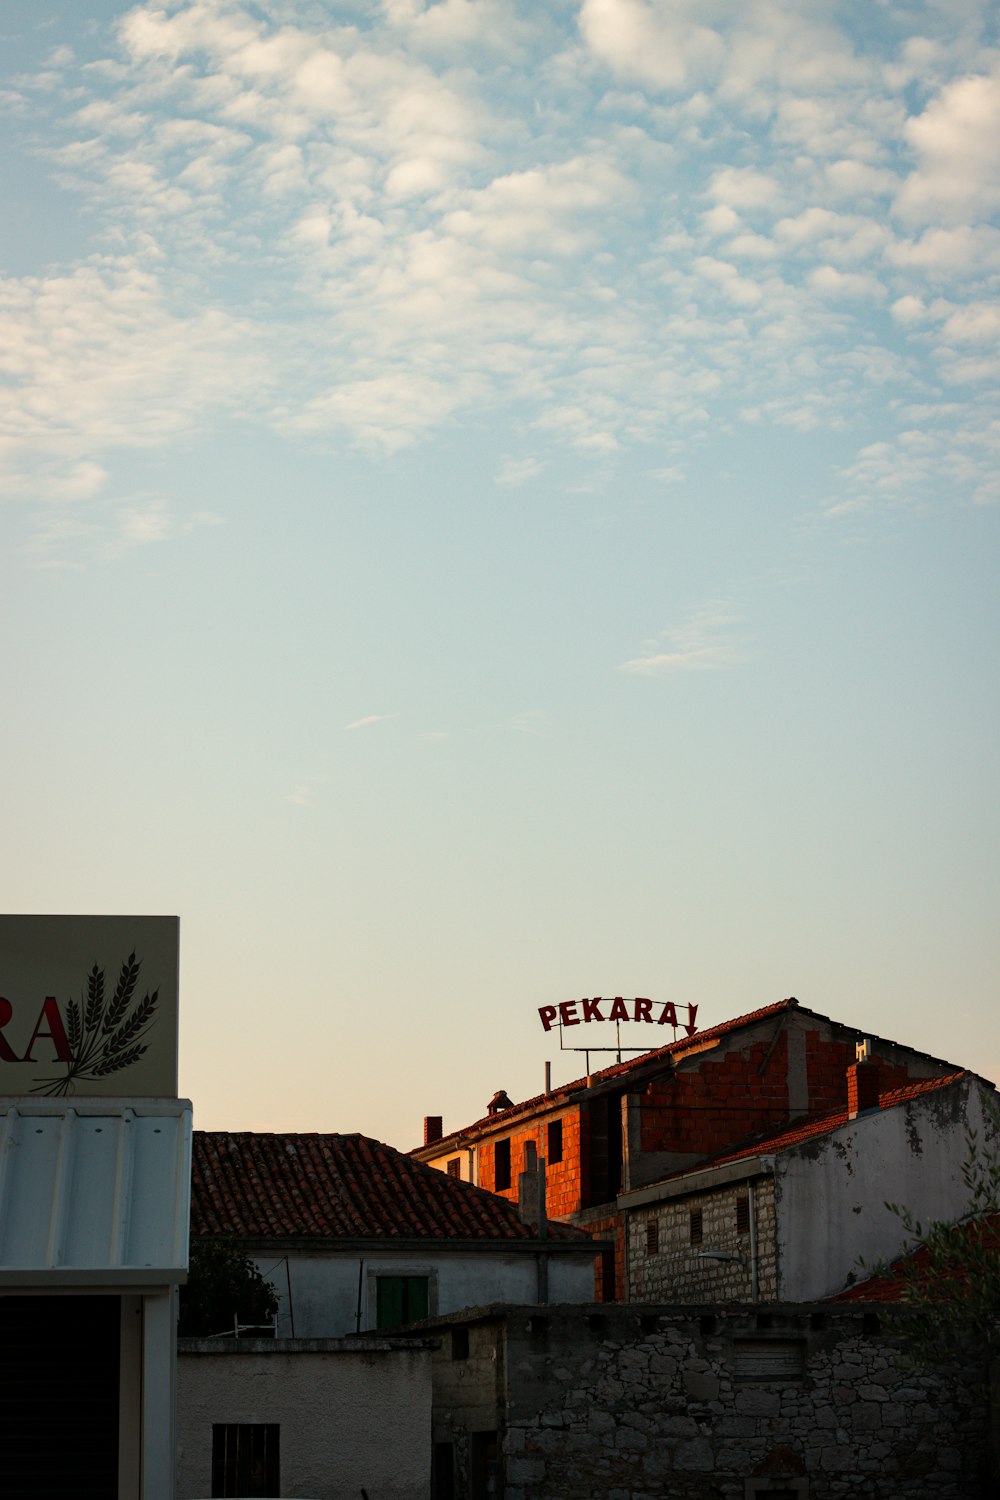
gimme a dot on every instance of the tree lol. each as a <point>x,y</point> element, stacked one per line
<point>950,1279</point>
<point>223,1288</point>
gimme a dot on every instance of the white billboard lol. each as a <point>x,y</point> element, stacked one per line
<point>88,1006</point>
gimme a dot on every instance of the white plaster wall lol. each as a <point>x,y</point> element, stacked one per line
<point>831,1193</point>
<point>324,1288</point>
<point>349,1419</point>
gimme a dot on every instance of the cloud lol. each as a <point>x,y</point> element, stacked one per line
<point>957,142</point>
<point>370,719</point>
<point>704,643</point>
<point>369,231</point>
<point>517,471</point>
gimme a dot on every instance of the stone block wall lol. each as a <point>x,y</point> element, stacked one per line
<point>673,1271</point>
<point>628,1403</point>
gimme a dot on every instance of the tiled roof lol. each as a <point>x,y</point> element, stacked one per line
<point>890,1288</point>
<point>333,1187</point>
<point>793,1135</point>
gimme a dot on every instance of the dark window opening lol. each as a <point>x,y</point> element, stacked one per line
<point>706,1325</point>
<point>455,1167</point>
<point>652,1237</point>
<point>443,1472</point>
<point>743,1214</point>
<point>870,1323</point>
<point>607,1287</point>
<point>245,1458</point>
<point>597,1323</point>
<point>554,1142</point>
<point>400,1299</point>
<point>484,1466</point>
<point>501,1165</point>
<point>459,1343</point>
<point>696,1226</point>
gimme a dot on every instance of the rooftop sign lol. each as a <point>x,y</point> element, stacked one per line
<point>88,1006</point>
<point>579,1012</point>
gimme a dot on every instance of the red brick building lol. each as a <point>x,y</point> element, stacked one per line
<point>638,1122</point>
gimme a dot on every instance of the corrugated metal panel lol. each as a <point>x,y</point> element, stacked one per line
<point>97,1191</point>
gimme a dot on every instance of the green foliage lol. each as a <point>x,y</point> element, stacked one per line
<point>951,1279</point>
<point>223,1287</point>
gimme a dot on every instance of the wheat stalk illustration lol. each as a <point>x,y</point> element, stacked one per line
<point>104,1033</point>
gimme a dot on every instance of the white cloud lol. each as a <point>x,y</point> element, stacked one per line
<point>704,643</point>
<point>957,142</point>
<point>370,719</point>
<point>517,471</point>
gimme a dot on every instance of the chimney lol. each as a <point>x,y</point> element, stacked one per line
<point>531,1206</point>
<point>862,1082</point>
<point>433,1129</point>
<point>499,1103</point>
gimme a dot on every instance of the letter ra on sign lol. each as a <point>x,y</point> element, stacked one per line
<point>49,1024</point>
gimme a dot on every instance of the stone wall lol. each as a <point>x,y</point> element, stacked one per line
<point>628,1403</point>
<point>674,1269</point>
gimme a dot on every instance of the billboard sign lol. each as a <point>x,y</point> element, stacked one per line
<point>88,1006</point>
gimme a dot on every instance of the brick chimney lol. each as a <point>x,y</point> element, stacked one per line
<point>862,1082</point>
<point>433,1129</point>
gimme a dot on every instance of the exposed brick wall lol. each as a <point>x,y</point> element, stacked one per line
<point>716,1099</point>
<point>562,1179</point>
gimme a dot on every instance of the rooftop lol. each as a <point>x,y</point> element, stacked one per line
<point>636,1067</point>
<point>341,1187</point>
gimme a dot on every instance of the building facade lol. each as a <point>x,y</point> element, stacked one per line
<point>355,1236</point>
<point>633,1124</point>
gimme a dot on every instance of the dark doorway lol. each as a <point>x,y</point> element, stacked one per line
<point>60,1359</point>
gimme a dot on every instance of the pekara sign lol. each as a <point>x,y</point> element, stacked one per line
<point>88,1006</point>
<point>579,1012</point>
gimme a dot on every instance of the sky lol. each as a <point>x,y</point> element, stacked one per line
<point>500,505</point>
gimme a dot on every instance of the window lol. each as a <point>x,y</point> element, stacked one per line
<point>455,1167</point>
<point>652,1237</point>
<point>501,1165</point>
<point>554,1142</point>
<point>245,1458</point>
<point>696,1227</point>
<point>743,1214</point>
<point>759,1360</point>
<point>400,1299</point>
<point>459,1343</point>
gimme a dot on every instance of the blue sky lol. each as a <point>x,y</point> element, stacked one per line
<point>500,505</point>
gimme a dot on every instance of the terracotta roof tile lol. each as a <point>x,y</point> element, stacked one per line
<point>329,1187</point>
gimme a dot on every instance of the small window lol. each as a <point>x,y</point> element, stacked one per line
<point>696,1226</point>
<point>763,1360</point>
<point>459,1343</point>
<point>501,1165</point>
<point>652,1237</point>
<point>455,1167</point>
<point>400,1299</point>
<point>743,1214</point>
<point>554,1142</point>
<point>245,1458</point>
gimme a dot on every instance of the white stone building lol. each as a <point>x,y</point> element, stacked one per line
<point>789,1217</point>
